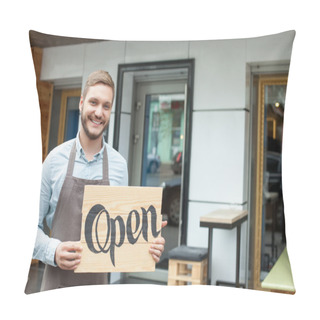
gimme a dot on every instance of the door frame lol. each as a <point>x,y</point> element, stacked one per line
<point>187,64</point>
<point>63,109</point>
<point>275,78</point>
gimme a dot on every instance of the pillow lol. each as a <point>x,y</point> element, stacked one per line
<point>203,120</point>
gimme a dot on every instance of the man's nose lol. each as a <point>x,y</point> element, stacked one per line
<point>98,111</point>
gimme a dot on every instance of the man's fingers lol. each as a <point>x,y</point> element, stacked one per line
<point>68,255</point>
<point>155,257</point>
<point>157,248</point>
<point>69,265</point>
<point>72,246</point>
<point>159,240</point>
<point>164,223</point>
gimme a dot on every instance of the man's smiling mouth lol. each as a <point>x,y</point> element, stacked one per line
<point>96,122</point>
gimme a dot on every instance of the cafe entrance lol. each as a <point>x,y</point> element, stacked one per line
<point>156,152</point>
<point>157,148</point>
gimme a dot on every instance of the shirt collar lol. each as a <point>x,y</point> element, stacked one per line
<point>80,151</point>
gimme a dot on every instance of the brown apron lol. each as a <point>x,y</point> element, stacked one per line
<point>66,226</point>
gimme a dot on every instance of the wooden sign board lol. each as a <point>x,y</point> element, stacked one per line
<point>118,227</point>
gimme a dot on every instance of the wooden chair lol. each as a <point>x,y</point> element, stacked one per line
<point>188,265</point>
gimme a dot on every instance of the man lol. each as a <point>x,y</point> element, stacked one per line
<point>85,160</point>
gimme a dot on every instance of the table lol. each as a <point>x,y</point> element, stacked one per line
<point>224,219</point>
<point>279,279</point>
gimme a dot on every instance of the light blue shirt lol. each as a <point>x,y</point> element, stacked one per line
<point>54,171</point>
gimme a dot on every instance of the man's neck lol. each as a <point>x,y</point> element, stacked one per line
<point>89,146</point>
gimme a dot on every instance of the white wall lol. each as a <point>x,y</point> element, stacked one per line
<point>219,156</point>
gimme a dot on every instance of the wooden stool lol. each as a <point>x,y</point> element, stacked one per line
<point>187,265</point>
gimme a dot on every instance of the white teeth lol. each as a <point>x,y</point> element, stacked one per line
<point>96,122</point>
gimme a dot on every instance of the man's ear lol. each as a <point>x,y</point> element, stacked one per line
<point>81,104</point>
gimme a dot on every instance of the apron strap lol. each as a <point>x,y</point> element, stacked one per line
<point>72,157</point>
<point>105,167</point>
<point>105,163</point>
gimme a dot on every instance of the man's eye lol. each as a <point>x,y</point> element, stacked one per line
<point>107,107</point>
<point>93,102</point>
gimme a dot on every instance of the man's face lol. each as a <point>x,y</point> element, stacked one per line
<point>95,110</point>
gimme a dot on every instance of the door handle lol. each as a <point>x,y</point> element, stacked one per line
<point>136,138</point>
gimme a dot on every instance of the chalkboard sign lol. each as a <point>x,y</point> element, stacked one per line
<point>118,226</point>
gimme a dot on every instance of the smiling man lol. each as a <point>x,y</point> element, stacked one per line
<point>85,160</point>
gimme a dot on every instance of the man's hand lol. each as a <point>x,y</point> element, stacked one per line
<point>157,247</point>
<point>68,255</point>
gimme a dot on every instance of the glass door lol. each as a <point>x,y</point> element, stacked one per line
<point>157,155</point>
